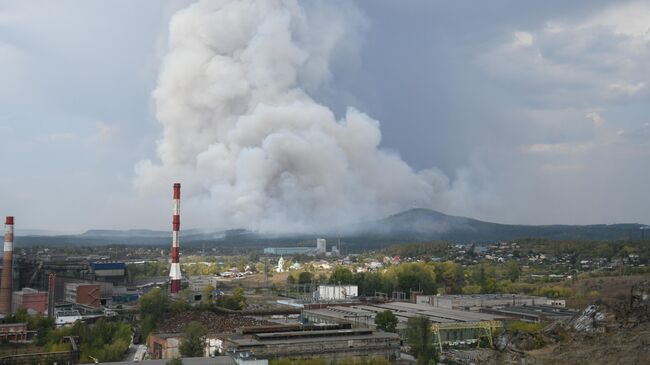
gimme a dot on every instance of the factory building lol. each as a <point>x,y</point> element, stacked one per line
<point>450,326</point>
<point>114,272</point>
<point>476,301</point>
<point>32,300</point>
<point>198,283</point>
<point>84,294</point>
<point>533,313</point>
<point>318,343</point>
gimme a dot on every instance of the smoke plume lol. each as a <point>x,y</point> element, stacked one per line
<point>247,140</point>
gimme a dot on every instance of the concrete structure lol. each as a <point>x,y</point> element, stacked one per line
<point>330,293</point>
<point>6,283</point>
<point>321,246</point>
<point>323,343</point>
<point>287,251</point>
<point>32,300</point>
<point>175,269</point>
<point>476,301</point>
<point>14,332</point>
<point>198,283</point>
<point>84,294</point>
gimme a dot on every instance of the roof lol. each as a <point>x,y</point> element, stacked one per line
<point>218,360</point>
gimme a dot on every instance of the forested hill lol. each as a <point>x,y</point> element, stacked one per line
<point>415,225</point>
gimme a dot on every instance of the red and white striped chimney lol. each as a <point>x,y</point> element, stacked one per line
<point>175,270</point>
<point>7,271</point>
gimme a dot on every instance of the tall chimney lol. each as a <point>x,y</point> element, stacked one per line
<point>175,270</point>
<point>51,287</point>
<point>7,260</point>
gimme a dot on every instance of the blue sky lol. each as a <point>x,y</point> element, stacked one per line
<point>537,113</point>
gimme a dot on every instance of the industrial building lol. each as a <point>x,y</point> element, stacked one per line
<point>328,293</point>
<point>324,343</point>
<point>114,272</point>
<point>32,300</point>
<point>84,294</point>
<point>533,313</point>
<point>450,325</point>
<point>198,283</point>
<point>476,301</point>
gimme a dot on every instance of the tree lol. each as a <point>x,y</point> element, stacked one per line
<point>207,296</point>
<point>386,321</point>
<point>304,277</point>
<point>419,336</point>
<point>153,306</point>
<point>290,279</point>
<point>194,337</point>
<point>341,275</point>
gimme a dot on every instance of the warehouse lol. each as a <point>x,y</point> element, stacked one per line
<point>533,313</point>
<point>451,325</point>
<point>324,343</point>
<point>476,301</point>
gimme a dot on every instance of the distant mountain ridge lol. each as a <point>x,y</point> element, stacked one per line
<point>414,225</point>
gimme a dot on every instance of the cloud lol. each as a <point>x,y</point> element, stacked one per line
<point>250,144</point>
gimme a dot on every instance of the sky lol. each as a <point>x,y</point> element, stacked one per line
<point>528,112</point>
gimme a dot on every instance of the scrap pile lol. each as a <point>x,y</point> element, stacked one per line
<point>215,323</point>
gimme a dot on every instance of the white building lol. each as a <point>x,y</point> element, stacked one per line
<point>280,267</point>
<point>336,292</point>
<point>321,246</point>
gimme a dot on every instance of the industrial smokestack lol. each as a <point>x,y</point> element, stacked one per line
<point>7,260</point>
<point>175,270</point>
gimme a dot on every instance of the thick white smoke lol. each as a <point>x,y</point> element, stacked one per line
<point>243,135</point>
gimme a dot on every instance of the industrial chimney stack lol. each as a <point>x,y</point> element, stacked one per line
<point>7,271</point>
<point>175,270</point>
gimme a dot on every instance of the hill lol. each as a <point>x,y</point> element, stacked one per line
<point>415,225</point>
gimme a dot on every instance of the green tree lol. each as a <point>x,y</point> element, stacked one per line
<point>207,296</point>
<point>194,337</point>
<point>513,271</point>
<point>419,337</point>
<point>290,279</point>
<point>386,321</point>
<point>341,275</point>
<point>304,277</point>
<point>153,306</point>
